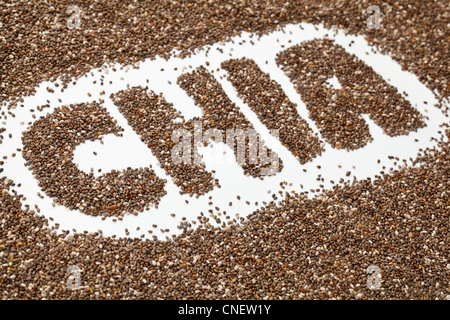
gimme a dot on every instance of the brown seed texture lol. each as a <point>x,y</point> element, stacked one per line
<point>294,247</point>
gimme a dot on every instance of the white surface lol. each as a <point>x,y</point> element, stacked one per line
<point>133,153</point>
